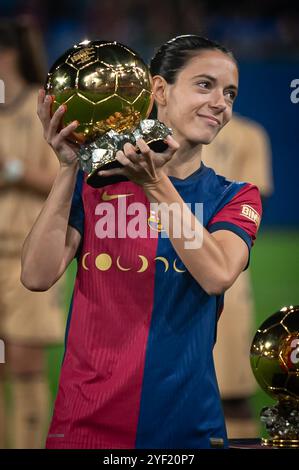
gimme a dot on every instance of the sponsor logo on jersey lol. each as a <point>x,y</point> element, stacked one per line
<point>251,214</point>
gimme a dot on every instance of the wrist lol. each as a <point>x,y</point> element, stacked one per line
<point>73,166</point>
<point>160,180</point>
<point>160,190</point>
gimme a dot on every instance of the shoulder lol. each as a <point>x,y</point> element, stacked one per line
<point>239,193</point>
<point>227,187</point>
<point>217,182</point>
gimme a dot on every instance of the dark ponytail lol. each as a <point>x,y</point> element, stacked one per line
<point>174,54</point>
<point>23,35</point>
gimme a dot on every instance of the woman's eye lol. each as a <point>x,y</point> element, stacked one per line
<point>231,95</point>
<point>203,84</point>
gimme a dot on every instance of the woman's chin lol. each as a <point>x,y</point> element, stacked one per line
<point>203,138</point>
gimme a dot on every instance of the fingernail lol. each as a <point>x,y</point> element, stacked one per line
<point>61,107</point>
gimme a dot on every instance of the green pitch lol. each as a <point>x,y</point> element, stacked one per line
<point>275,277</point>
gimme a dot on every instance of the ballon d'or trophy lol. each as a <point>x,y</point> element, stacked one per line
<point>107,87</point>
<point>274,360</point>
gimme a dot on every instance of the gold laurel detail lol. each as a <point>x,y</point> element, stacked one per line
<point>144,264</point>
<point>164,260</point>
<point>121,268</point>
<point>103,262</point>
<point>83,261</point>
<point>177,269</point>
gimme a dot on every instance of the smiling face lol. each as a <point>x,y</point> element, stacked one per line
<point>200,101</point>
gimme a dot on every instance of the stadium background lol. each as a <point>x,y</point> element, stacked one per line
<point>264,36</point>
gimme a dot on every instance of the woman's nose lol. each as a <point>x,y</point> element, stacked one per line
<point>217,100</point>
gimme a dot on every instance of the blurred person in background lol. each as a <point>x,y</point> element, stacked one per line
<point>240,152</point>
<point>28,321</point>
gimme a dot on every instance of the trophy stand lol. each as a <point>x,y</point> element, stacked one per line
<point>282,424</point>
<point>100,154</point>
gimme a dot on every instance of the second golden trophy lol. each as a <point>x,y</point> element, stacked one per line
<point>274,359</point>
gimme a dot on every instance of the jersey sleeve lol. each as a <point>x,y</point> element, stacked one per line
<point>76,218</point>
<point>241,215</point>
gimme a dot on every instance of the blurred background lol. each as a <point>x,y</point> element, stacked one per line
<point>264,36</point>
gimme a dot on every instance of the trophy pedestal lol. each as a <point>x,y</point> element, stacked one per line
<point>97,181</point>
<point>281,443</point>
<point>245,443</point>
<point>266,444</point>
<point>100,154</point>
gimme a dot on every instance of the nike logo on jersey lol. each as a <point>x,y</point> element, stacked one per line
<point>108,197</point>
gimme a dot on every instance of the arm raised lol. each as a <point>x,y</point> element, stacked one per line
<point>52,243</point>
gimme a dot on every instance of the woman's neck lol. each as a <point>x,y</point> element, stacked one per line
<point>185,161</point>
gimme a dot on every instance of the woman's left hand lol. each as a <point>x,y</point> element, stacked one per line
<point>144,168</point>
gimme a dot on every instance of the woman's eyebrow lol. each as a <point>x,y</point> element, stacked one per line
<point>204,75</point>
<point>214,79</point>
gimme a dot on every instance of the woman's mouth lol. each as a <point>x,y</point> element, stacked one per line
<point>210,119</point>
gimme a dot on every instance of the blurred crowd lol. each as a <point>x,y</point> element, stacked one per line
<point>256,29</point>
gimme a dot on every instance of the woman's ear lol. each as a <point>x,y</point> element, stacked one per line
<point>159,90</point>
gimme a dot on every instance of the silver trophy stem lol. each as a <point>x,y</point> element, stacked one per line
<point>102,151</point>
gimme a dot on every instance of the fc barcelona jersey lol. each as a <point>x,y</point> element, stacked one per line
<point>138,368</point>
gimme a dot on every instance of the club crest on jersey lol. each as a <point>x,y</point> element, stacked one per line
<point>154,222</point>
<point>251,214</point>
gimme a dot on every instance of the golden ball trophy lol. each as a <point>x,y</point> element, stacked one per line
<point>107,87</point>
<point>274,360</point>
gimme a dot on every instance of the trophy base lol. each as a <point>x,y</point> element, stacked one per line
<point>283,443</point>
<point>97,181</point>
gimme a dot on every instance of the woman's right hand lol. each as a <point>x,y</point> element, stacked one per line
<point>65,150</point>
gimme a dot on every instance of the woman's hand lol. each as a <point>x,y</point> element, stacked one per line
<point>57,139</point>
<point>144,168</point>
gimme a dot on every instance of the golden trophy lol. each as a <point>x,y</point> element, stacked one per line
<point>107,87</point>
<point>274,358</point>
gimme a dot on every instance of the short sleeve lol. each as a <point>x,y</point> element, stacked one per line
<point>76,218</point>
<point>241,215</point>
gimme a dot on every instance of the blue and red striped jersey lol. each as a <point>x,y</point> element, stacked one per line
<point>138,368</point>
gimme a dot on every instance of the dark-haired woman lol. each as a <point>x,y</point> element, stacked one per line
<point>138,369</point>
<point>28,322</point>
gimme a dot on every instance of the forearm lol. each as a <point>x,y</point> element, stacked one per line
<point>200,252</point>
<point>44,247</point>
